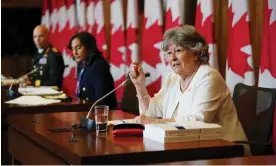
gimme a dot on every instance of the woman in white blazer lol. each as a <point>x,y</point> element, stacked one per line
<point>194,91</point>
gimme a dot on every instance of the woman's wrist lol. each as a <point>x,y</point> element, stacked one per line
<point>142,97</point>
<point>141,91</point>
<point>140,88</point>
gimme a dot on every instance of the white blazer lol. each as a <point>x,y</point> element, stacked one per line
<point>207,99</point>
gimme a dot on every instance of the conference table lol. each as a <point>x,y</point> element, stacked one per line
<point>76,105</point>
<point>249,160</point>
<point>45,139</point>
<point>73,105</point>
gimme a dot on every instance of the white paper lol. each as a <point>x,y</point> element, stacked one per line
<point>32,101</point>
<point>38,91</point>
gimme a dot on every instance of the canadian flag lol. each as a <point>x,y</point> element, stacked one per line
<point>69,75</point>
<point>90,17</point>
<point>131,32</point>
<point>61,23</point>
<point>117,46</point>
<point>174,17</point>
<point>267,77</point>
<point>53,24</point>
<point>45,20</point>
<point>81,15</point>
<point>100,27</point>
<point>239,64</point>
<point>151,54</point>
<point>205,25</point>
<point>174,13</point>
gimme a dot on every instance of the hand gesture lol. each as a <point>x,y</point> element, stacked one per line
<point>137,75</point>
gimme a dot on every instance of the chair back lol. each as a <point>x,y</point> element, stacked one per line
<point>255,109</point>
<point>129,102</point>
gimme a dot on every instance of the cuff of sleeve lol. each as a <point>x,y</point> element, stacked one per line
<point>150,111</point>
<point>153,111</point>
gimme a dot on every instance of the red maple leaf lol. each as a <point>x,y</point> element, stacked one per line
<point>150,54</point>
<point>131,38</point>
<point>100,39</point>
<point>69,82</point>
<point>239,37</point>
<point>169,22</point>
<point>116,57</point>
<point>117,41</point>
<point>151,36</point>
<point>207,28</point>
<point>268,56</point>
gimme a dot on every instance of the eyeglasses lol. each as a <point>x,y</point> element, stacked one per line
<point>177,51</point>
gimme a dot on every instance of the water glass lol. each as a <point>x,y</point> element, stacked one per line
<point>101,118</point>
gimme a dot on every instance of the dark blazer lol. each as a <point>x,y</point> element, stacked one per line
<point>96,80</point>
<point>50,66</point>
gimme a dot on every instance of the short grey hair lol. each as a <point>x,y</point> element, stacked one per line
<point>187,36</point>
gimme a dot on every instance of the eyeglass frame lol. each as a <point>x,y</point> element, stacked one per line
<point>177,51</point>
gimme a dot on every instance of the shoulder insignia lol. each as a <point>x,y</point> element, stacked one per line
<point>54,49</point>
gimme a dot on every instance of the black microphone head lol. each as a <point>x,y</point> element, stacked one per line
<point>147,74</point>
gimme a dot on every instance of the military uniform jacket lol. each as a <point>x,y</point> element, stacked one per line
<point>95,80</point>
<point>50,66</point>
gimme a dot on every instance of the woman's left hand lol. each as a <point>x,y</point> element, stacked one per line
<point>144,119</point>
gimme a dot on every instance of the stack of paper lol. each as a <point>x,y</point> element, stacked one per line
<point>32,101</point>
<point>182,132</point>
<point>38,91</point>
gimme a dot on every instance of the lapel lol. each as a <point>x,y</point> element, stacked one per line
<point>182,100</point>
<point>83,77</point>
<point>174,99</point>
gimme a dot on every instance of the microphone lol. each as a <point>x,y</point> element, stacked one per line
<point>90,124</point>
<point>124,83</point>
<point>25,75</point>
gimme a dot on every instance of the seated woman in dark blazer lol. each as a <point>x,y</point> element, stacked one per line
<point>94,77</point>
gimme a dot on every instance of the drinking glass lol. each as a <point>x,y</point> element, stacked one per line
<point>101,118</point>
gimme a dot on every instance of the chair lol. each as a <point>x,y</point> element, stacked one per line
<point>255,109</point>
<point>129,102</point>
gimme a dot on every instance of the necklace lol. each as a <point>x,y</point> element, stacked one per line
<point>182,87</point>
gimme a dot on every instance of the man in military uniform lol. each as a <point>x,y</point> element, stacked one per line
<point>48,61</point>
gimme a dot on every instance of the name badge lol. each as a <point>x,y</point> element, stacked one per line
<point>42,61</point>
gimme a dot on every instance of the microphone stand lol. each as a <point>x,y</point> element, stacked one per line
<point>25,75</point>
<point>89,124</point>
<point>10,91</point>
